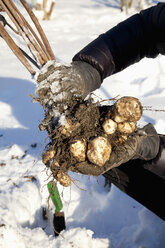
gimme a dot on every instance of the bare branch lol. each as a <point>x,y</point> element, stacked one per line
<point>27,26</point>
<point>15,49</point>
<point>39,28</point>
<point>38,46</point>
<point>37,38</point>
<point>24,31</point>
<point>48,14</point>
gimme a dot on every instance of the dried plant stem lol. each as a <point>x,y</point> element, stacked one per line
<point>14,30</point>
<point>29,58</point>
<point>42,51</point>
<point>15,49</point>
<point>51,8</point>
<point>9,13</point>
<point>39,28</point>
<point>38,45</point>
<point>35,50</point>
<point>12,17</point>
<point>47,15</point>
<point>38,40</point>
<point>44,4</point>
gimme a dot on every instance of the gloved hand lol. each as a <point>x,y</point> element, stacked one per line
<point>61,83</point>
<point>143,144</point>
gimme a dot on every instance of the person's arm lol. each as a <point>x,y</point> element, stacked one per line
<point>143,180</point>
<point>141,184</point>
<point>141,35</point>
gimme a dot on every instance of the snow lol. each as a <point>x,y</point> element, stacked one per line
<point>95,216</point>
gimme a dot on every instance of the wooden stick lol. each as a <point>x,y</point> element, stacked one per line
<point>47,15</point>
<point>11,17</point>
<point>15,49</point>
<point>39,28</point>
<point>51,8</point>
<point>42,54</point>
<point>9,14</point>
<point>38,40</point>
<point>44,5</point>
<point>25,33</point>
<point>15,31</point>
<point>16,24</point>
<point>29,58</point>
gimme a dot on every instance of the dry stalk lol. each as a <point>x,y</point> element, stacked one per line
<point>8,12</point>
<point>13,16</point>
<point>42,54</point>
<point>38,40</point>
<point>48,14</point>
<point>39,28</point>
<point>44,4</point>
<point>39,48</point>
<point>14,30</point>
<point>15,49</point>
<point>30,42</point>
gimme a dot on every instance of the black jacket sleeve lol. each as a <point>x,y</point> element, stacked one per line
<point>141,35</point>
<point>143,180</point>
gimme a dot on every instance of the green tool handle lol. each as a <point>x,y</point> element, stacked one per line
<point>55,196</point>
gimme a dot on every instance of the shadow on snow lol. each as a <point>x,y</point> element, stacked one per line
<point>14,94</point>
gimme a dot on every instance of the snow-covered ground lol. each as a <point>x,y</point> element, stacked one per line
<point>95,216</point>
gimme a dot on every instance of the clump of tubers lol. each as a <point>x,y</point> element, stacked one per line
<point>127,109</point>
<point>109,126</point>
<point>78,150</point>
<point>63,179</point>
<point>127,127</point>
<point>99,150</point>
<point>89,134</point>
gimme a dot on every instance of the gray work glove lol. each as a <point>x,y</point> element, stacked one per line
<point>61,83</point>
<point>142,144</point>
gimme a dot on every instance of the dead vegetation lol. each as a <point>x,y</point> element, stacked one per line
<point>47,8</point>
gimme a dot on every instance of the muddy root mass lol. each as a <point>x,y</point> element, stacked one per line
<point>85,121</point>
